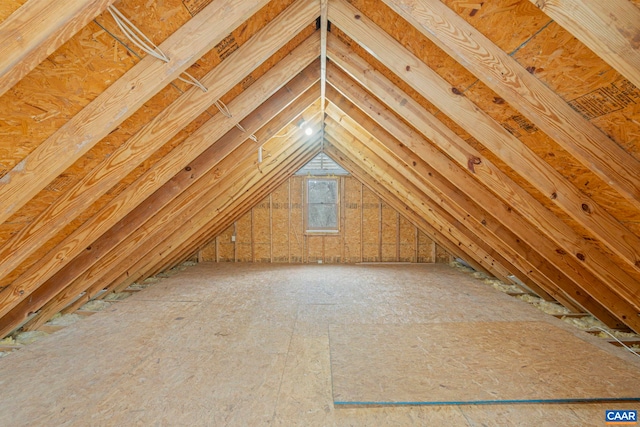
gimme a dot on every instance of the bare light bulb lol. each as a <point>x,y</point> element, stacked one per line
<point>308,131</point>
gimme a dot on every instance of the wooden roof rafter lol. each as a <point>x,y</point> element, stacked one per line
<point>120,101</point>
<point>438,218</point>
<point>437,170</point>
<point>484,219</point>
<point>393,200</point>
<point>490,133</point>
<point>257,119</point>
<point>504,226</point>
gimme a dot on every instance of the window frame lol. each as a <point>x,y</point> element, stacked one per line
<point>321,231</point>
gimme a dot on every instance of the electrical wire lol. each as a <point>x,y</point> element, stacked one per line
<point>138,38</point>
<point>619,342</point>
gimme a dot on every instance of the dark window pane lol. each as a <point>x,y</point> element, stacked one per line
<point>323,216</point>
<point>323,191</point>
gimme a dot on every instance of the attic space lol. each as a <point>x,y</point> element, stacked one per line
<point>325,210</point>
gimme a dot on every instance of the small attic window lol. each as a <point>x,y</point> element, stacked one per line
<point>322,205</point>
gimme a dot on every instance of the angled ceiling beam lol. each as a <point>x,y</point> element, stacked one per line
<point>227,216</point>
<point>271,128</point>
<point>153,179</point>
<point>286,157</point>
<point>492,135</point>
<point>437,217</point>
<point>120,101</point>
<point>398,204</point>
<point>568,241</point>
<point>523,91</point>
<point>610,29</point>
<point>158,132</point>
<point>231,180</point>
<point>36,30</point>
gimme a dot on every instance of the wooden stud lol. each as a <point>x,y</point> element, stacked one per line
<point>270,229</point>
<point>398,236</point>
<point>253,238</point>
<point>289,221</point>
<point>362,222</point>
<point>379,229</point>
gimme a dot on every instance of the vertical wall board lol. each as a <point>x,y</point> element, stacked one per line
<point>407,241</point>
<point>225,245</point>
<point>280,223</point>
<point>332,249</point>
<point>370,227</point>
<point>314,249</point>
<point>296,232</point>
<point>261,232</point>
<point>425,248</point>
<point>442,255</point>
<point>361,228</point>
<point>389,234</point>
<point>208,253</point>
<point>352,223</point>
<point>243,238</point>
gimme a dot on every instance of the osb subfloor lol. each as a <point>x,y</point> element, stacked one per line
<point>248,345</point>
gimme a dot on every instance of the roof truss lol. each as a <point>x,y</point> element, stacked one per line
<point>565,246</point>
